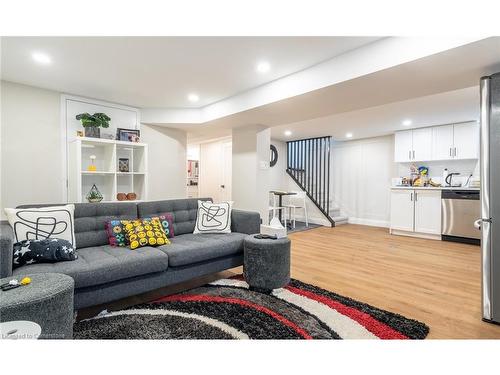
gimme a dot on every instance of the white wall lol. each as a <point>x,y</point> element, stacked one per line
<point>361,177</point>
<point>31,146</point>
<point>167,161</point>
<point>31,150</point>
<point>250,177</point>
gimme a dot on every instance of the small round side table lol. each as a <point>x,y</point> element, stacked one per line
<point>266,263</point>
<point>47,301</point>
<point>19,330</point>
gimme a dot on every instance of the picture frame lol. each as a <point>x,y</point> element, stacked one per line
<point>128,135</point>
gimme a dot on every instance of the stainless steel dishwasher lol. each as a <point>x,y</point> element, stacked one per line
<point>459,210</point>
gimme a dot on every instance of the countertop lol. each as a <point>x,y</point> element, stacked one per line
<point>433,188</point>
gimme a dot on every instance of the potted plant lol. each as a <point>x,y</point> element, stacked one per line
<point>92,123</point>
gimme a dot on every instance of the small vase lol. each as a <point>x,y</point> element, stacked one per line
<point>92,132</point>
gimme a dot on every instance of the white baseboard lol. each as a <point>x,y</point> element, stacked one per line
<point>369,222</point>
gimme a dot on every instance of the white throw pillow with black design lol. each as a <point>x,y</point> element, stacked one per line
<point>213,217</point>
<point>43,222</point>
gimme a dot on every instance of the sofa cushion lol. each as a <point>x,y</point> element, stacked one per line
<point>103,264</point>
<point>184,212</point>
<point>192,248</point>
<point>90,220</point>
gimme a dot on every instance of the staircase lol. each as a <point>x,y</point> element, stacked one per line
<point>308,164</point>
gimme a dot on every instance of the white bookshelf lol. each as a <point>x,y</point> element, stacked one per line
<point>107,177</point>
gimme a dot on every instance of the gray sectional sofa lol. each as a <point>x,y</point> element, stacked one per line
<point>103,273</point>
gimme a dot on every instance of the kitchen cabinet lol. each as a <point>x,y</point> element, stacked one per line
<point>402,209</point>
<point>422,144</point>
<point>416,212</point>
<point>427,211</point>
<point>442,142</point>
<point>466,140</point>
<point>403,143</point>
<point>446,142</point>
<point>413,145</point>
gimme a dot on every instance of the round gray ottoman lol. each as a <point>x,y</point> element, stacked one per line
<point>266,263</point>
<point>48,301</point>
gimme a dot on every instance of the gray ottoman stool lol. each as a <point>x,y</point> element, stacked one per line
<point>48,301</point>
<point>266,263</point>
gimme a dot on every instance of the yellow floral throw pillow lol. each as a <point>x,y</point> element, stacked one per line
<point>147,232</point>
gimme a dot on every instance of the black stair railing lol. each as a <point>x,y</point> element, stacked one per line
<point>308,164</point>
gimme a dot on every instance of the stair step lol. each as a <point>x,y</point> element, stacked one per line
<point>339,220</point>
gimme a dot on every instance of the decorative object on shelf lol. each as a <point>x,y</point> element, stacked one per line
<point>123,165</point>
<point>274,156</point>
<point>92,123</point>
<point>128,135</point>
<point>94,195</point>
<point>131,196</point>
<point>79,133</point>
<point>121,196</point>
<point>92,167</point>
<point>109,136</point>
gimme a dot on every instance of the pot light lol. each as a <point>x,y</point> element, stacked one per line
<point>407,122</point>
<point>41,58</point>
<point>193,98</point>
<point>348,135</point>
<point>288,133</point>
<point>263,67</point>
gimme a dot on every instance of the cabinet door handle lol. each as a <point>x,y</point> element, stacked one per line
<point>411,197</point>
<point>413,154</point>
<point>455,152</point>
<point>409,155</point>
<point>416,195</point>
<point>450,152</point>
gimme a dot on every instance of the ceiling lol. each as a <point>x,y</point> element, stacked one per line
<point>444,108</point>
<point>430,90</point>
<point>160,72</point>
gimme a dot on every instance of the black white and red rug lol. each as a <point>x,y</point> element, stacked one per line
<point>227,309</point>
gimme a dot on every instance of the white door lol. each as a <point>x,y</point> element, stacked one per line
<point>210,177</point>
<point>428,211</point>
<point>422,144</point>
<point>403,146</point>
<point>227,155</point>
<point>466,140</point>
<point>442,142</point>
<point>402,209</point>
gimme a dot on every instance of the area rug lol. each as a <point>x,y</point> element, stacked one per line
<point>227,309</point>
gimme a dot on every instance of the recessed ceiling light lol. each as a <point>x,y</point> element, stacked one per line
<point>348,135</point>
<point>193,98</point>
<point>263,67</point>
<point>41,58</point>
<point>288,133</point>
<point>407,122</point>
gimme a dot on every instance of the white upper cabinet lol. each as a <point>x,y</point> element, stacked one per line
<point>403,146</point>
<point>459,141</point>
<point>422,144</point>
<point>442,142</point>
<point>466,140</point>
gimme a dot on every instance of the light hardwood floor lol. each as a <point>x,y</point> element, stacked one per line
<point>435,282</point>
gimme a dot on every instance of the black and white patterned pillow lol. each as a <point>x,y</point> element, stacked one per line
<point>49,250</point>
<point>43,222</point>
<point>213,217</point>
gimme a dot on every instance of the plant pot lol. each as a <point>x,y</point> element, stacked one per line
<point>92,132</point>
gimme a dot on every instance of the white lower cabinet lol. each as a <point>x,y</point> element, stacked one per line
<point>402,210</point>
<point>416,211</point>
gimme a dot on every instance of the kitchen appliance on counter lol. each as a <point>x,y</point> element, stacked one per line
<point>449,180</point>
<point>489,220</point>
<point>459,211</point>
